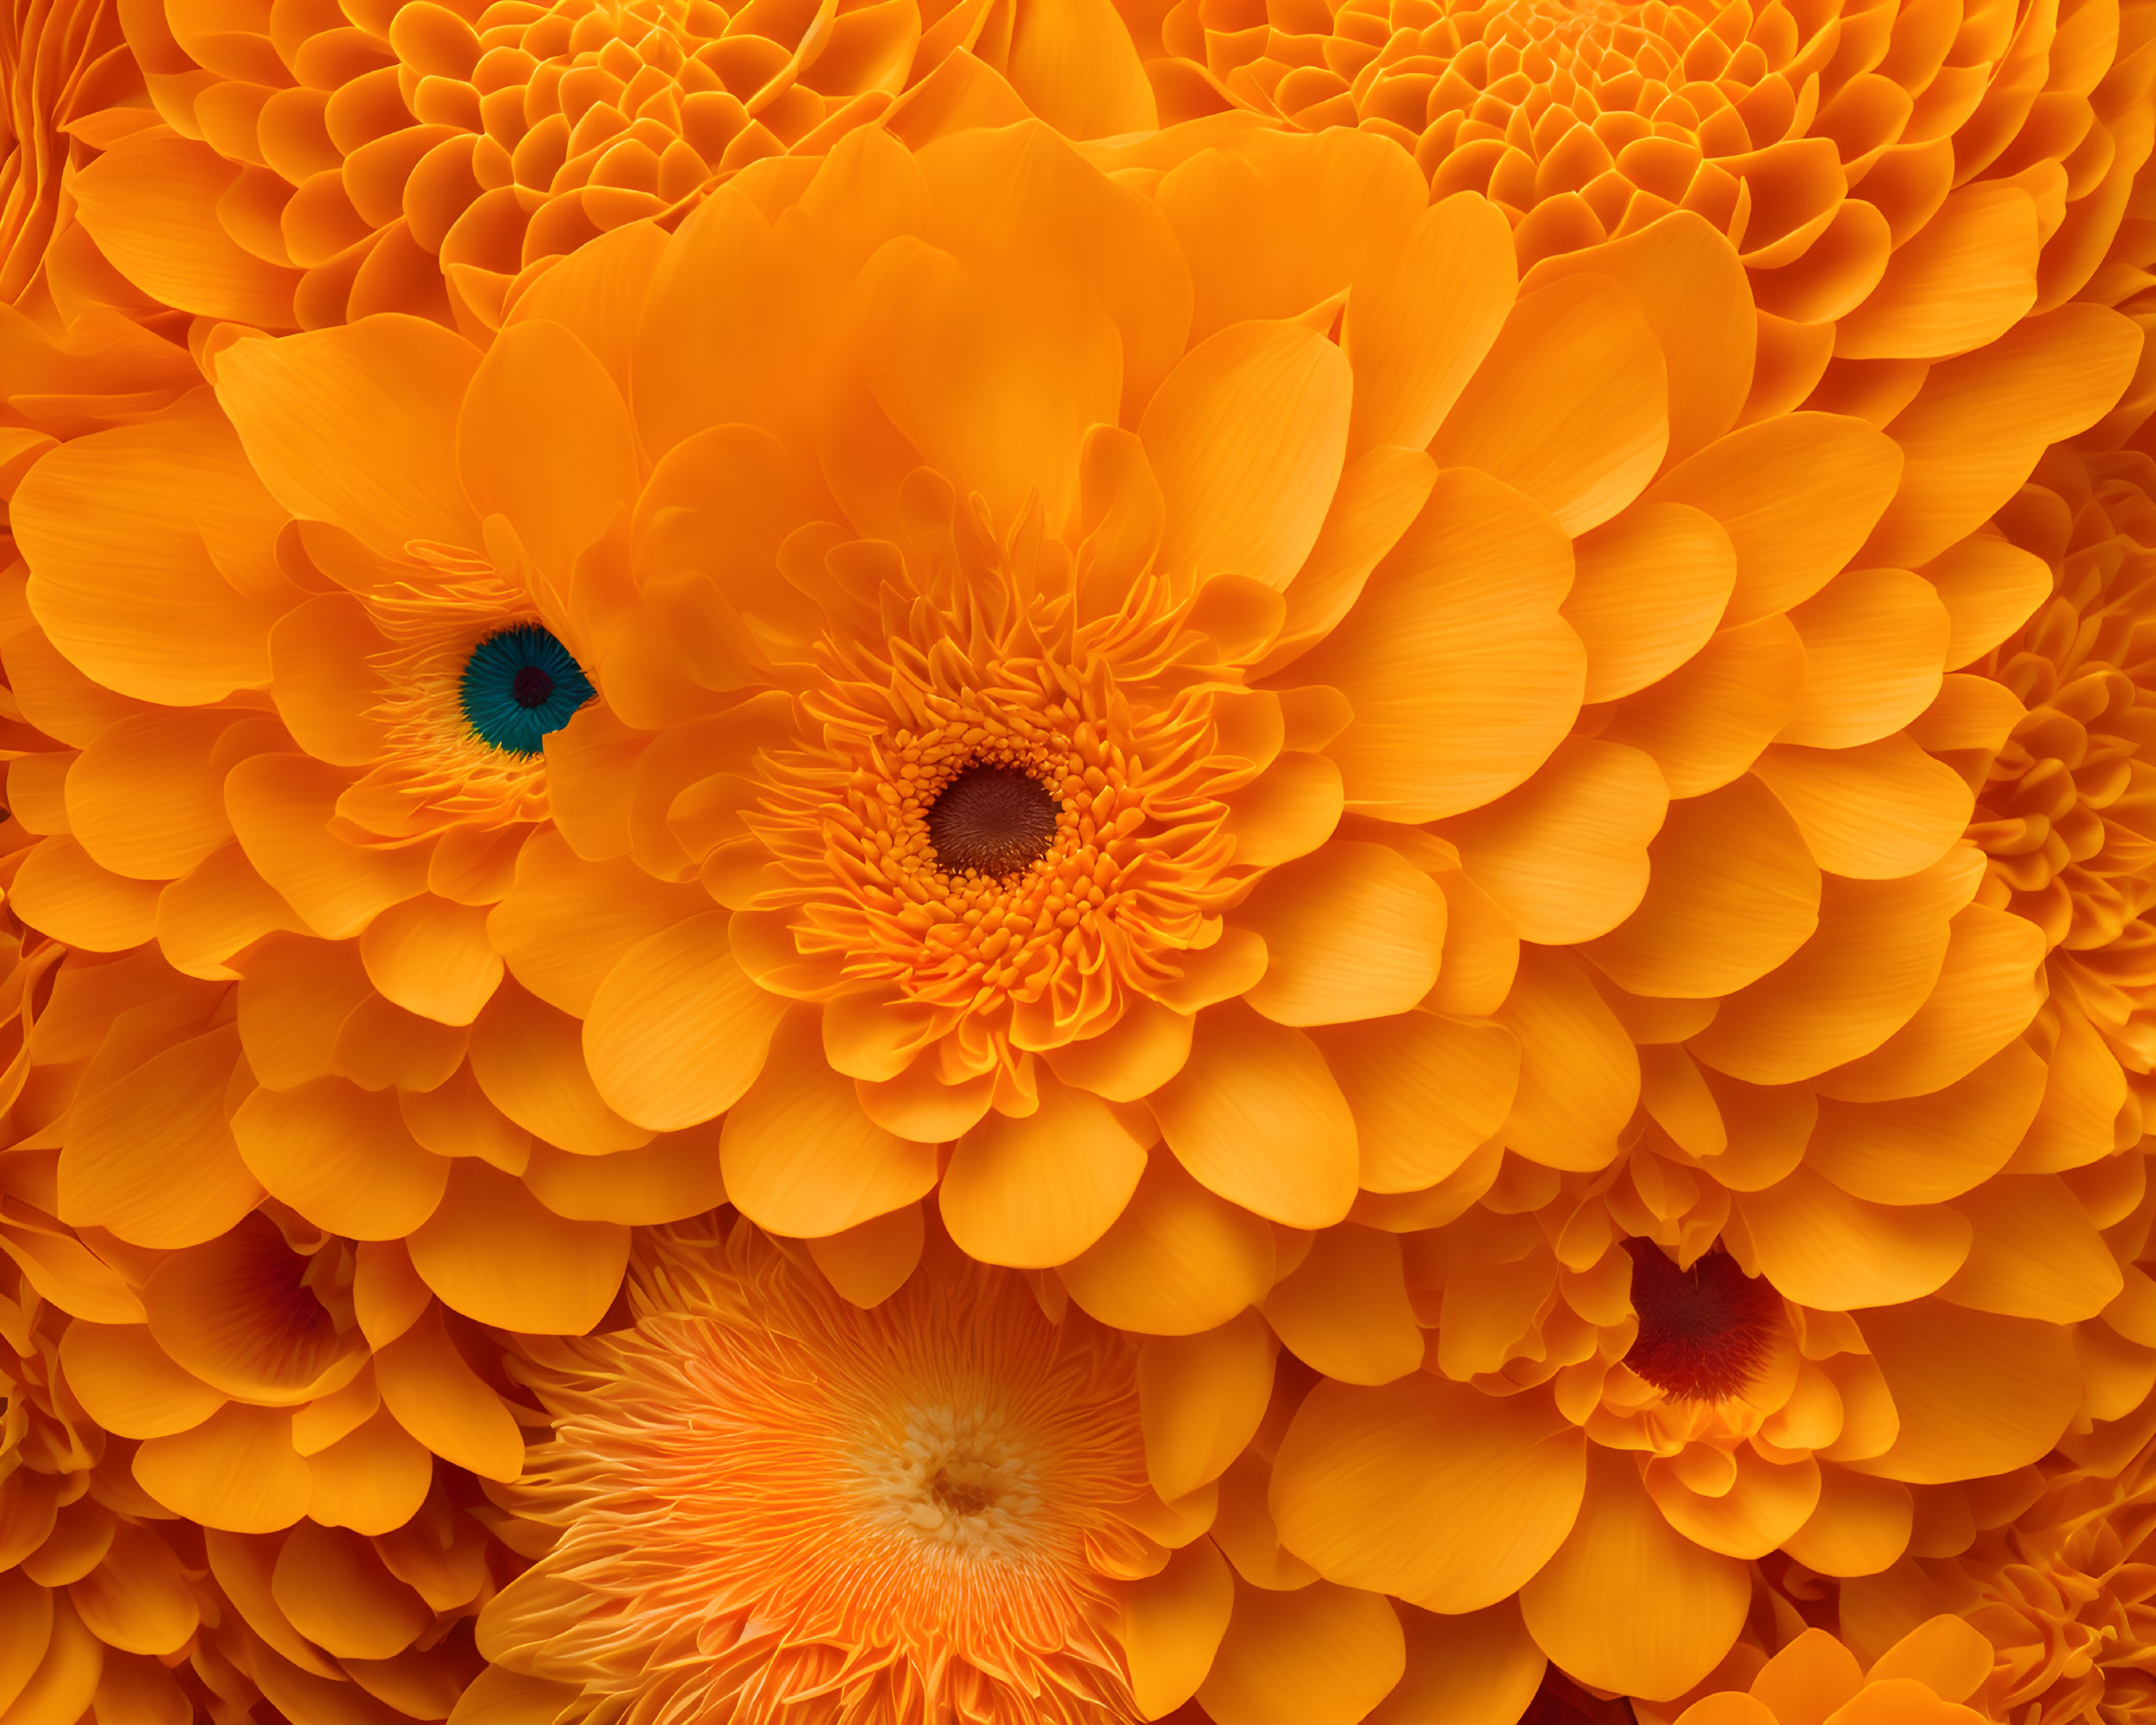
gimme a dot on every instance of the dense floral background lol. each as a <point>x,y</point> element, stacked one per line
<point>1051,864</point>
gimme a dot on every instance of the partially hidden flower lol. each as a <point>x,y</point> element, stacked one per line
<point>764,1500</point>
<point>1923,177</point>
<point>1935,1675</point>
<point>428,159</point>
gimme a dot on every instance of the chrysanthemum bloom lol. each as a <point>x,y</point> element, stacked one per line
<point>2060,1591</point>
<point>1135,804</point>
<point>421,158</point>
<point>1616,1439</point>
<point>1928,1678</point>
<point>1923,174</point>
<point>768,1504</point>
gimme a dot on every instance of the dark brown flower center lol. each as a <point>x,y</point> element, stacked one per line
<point>531,686</point>
<point>1703,1331</point>
<point>995,821</point>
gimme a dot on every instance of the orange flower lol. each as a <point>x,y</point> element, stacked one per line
<point>1925,176</point>
<point>1351,856</point>
<point>1615,1441</point>
<point>772,1505</point>
<point>420,157</point>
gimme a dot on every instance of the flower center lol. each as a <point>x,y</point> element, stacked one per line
<point>531,686</point>
<point>519,686</point>
<point>958,1477</point>
<point>991,821</point>
<point>1703,1331</point>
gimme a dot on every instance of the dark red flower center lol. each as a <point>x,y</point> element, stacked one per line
<point>1703,1331</point>
<point>995,821</point>
<point>531,686</point>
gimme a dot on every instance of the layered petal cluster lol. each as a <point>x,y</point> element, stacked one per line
<point>767,1504</point>
<point>408,156</point>
<point>1924,175</point>
<point>2058,1586</point>
<point>1935,1675</point>
<point>71,86</point>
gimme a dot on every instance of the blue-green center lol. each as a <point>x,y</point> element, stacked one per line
<point>521,684</point>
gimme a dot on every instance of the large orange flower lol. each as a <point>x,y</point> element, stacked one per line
<point>1042,712</point>
<point>768,1504</point>
<point>1924,175</point>
<point>420,157</point>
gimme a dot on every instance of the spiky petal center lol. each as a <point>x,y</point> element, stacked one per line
<point>1703,1331</point>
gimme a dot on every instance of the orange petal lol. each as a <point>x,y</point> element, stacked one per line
<point>149,1155</point>
<point>1861,1526</point>
<point>341,1156</point>
<point>357,426</point>
<point>1177,1262</point>
<point>2036,1254</point>
<point>1875,645</point>
<point>1129,1060</point>
<point>150,203</point>
<point>1567,853</point>
<point>1990,590</point>
<point>1425,1091</point>
<point>1962,279</point>
<point>1709,719</point>
<point>1478,1668</point>
<point>1344,1309</point>
<point>1039,1190</point>
<point>237,1471</point>
<point>1200,1398</point>
<point>671,1178</point>
<point>1979,421</point>
<point>1824,1249</point>
<point>1873,962</point>
<point>1579,1073</point>
<point>444,1403</point>
<point>676,1032</point>
<point>1629,1604</point>
<point>235,1312</point>
<point>1355,932</point>
<point>1280,224</point>
<point>1461,674</point>
<point>1249,436</point>
<point>1320,1655</point>
<point>1732,892</point>
<point>433,957</point>
<point>281,807</point>
<point>372,1480</point>
<point>1650,590</point>
<point>335,1589</point>
<point>544,439</point>
<point>1075,65</point>
<point>59,891</point>
<point>493,1252</point>
<point>1692,288</point>
<point>1172,1625</point>
<point>566,922</point>
<point>529,1060</point>
<point>1948,1654</point>
<point>1257,1117</point>
<point>1571,405</point>
<point>871,1260</point>
<point>1812,1676</point>
<point>1797,495</point>
<point>1991,985</point>
<point>1432,1491</point>
<point>800,1158</point>
<point>1421,318</point>
<point>324,687</point>
<point>138,1599</point>
<point>1921,1149</point>
<point>129,1385</point>
<point>145,798</point>
<point>1767,1502</point>
<point>1978,1394</point>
